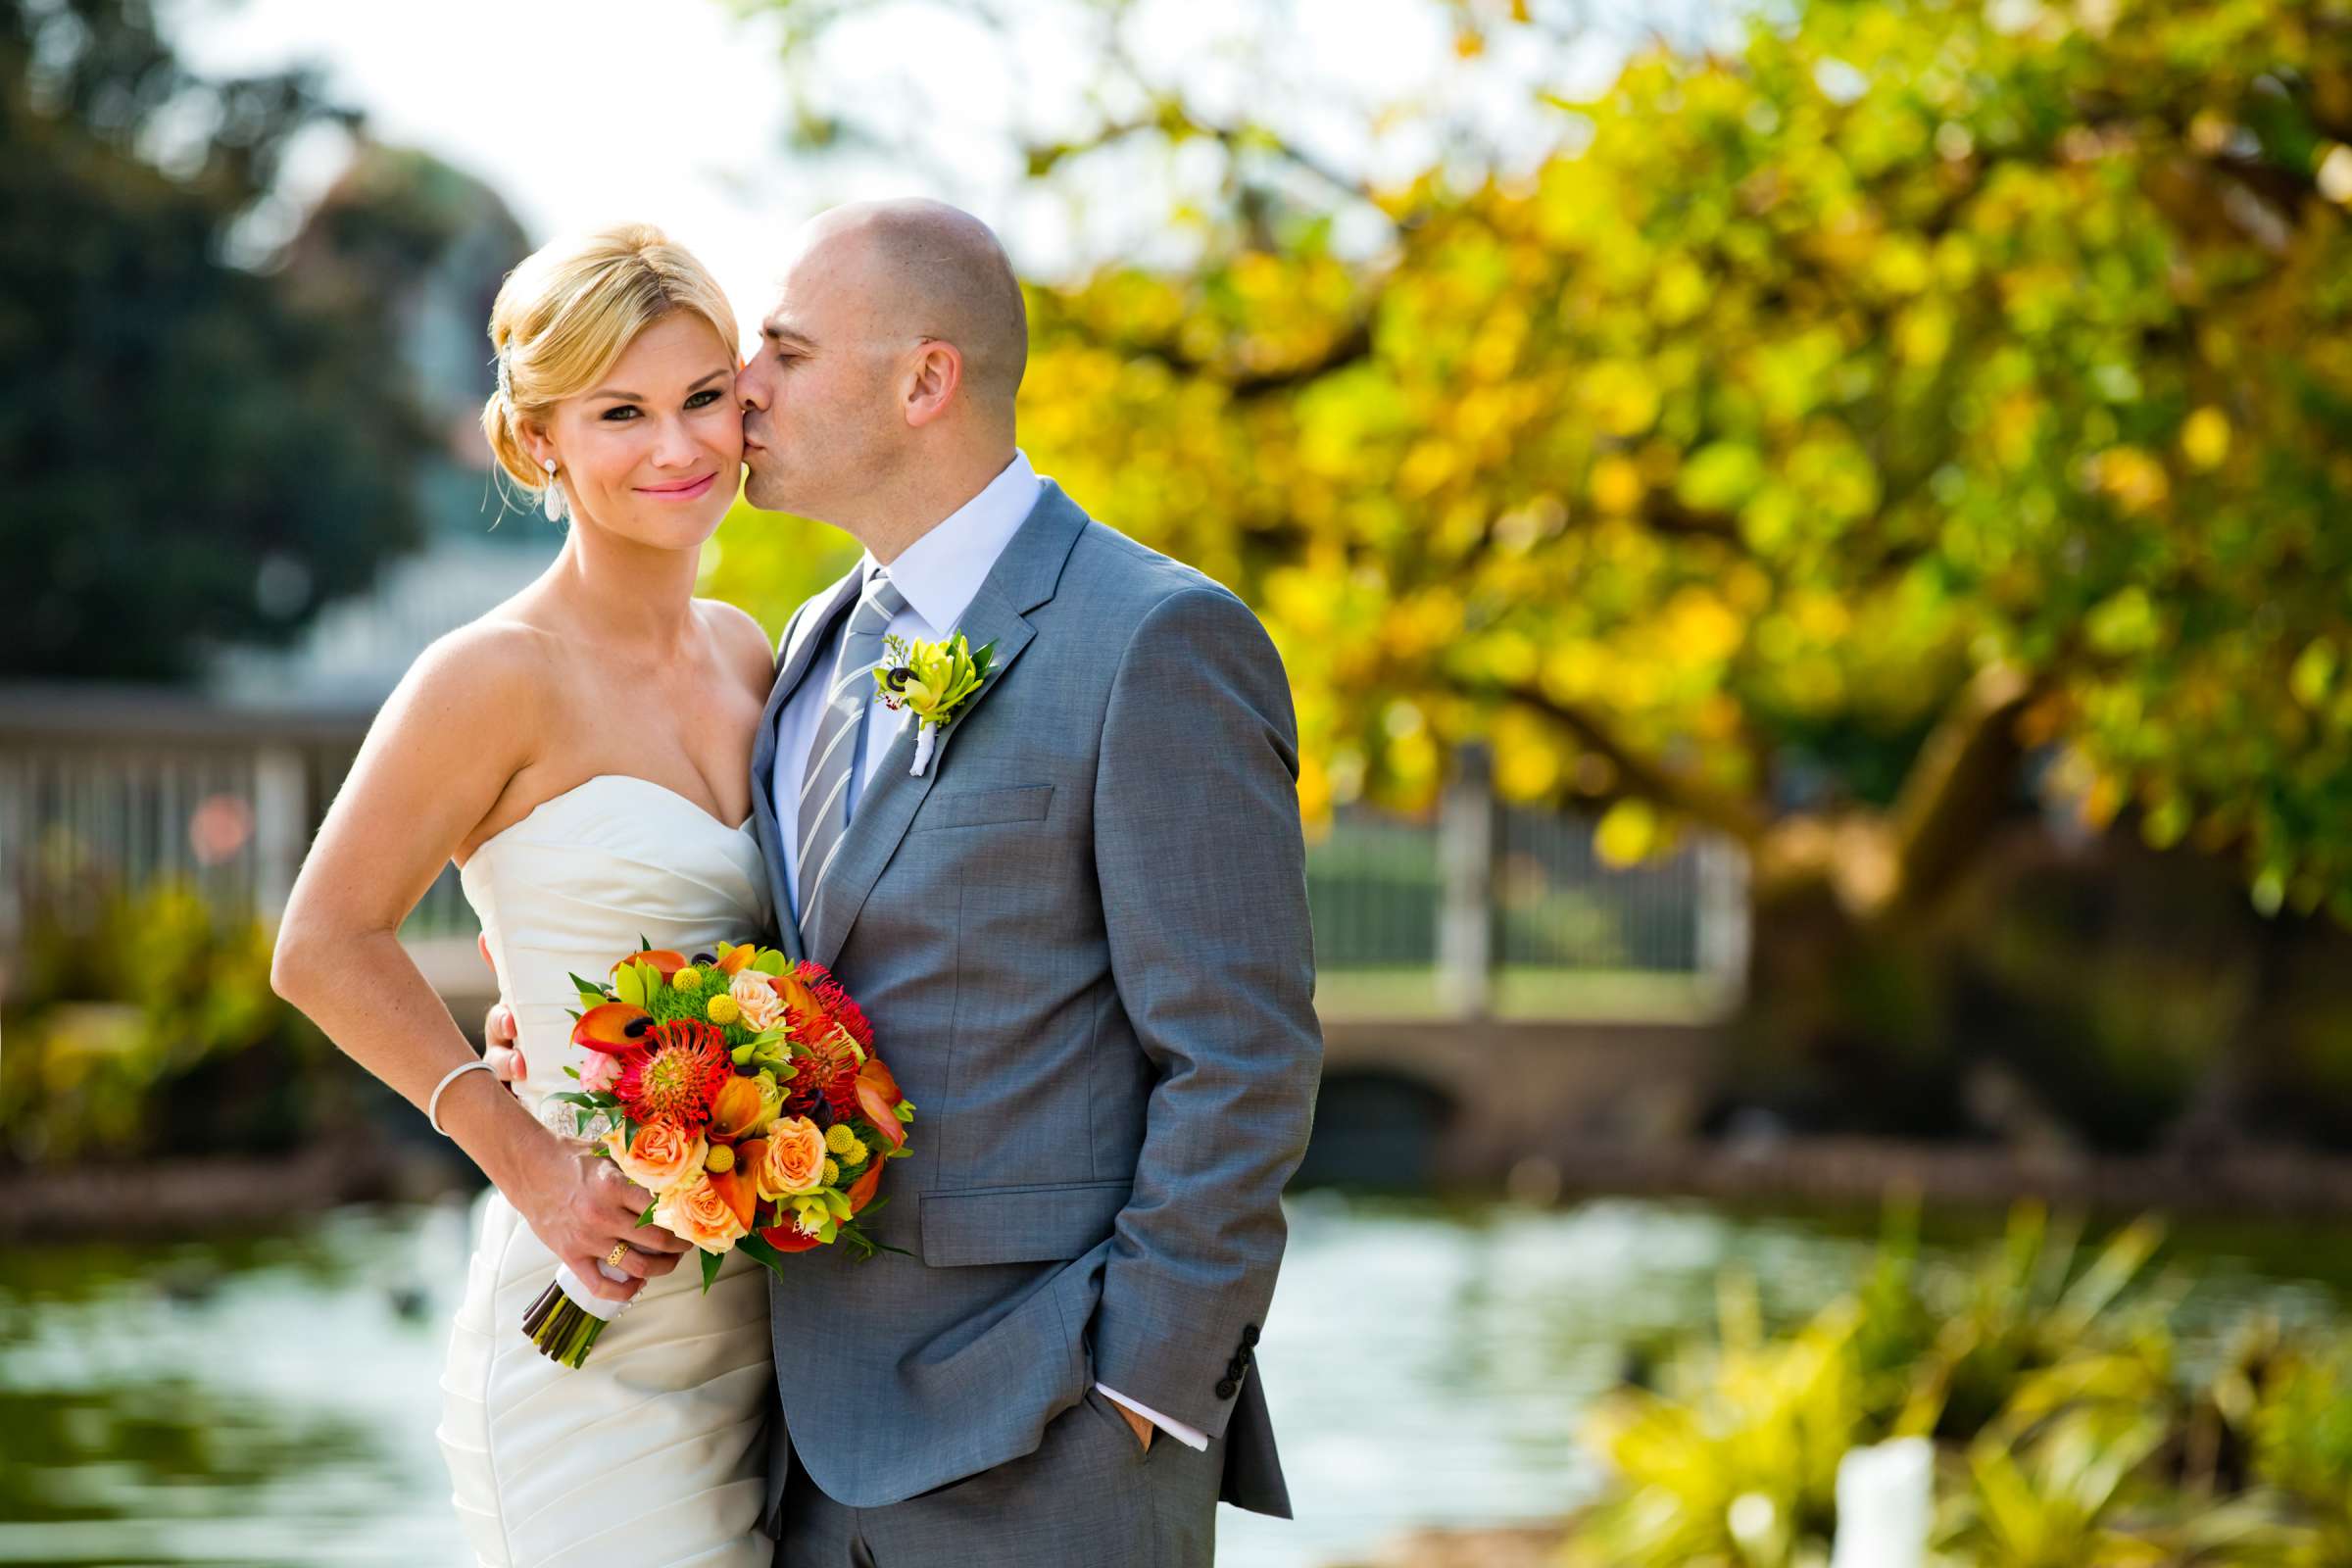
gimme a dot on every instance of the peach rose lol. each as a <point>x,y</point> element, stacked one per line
<point>762,1008</point>
<point>794,1159</point>
<point>695,1211</point>
<point>663,1155</point>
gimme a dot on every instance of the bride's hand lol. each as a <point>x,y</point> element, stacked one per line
<point>579,1204</point>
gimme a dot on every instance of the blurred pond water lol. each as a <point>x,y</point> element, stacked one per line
<point>270,1401</point>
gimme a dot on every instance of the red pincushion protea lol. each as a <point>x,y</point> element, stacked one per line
<point>836,1002</point>
<point>826,1071</point>
<point>676,1074</point>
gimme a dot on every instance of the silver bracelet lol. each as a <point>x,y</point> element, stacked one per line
<point>432,1106</point>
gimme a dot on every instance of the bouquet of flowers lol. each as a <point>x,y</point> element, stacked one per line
<point>743,1092</point>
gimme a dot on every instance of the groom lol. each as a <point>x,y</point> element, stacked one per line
<point>1080,932</point>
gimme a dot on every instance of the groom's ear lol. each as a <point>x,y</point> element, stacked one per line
<point>934,375</point>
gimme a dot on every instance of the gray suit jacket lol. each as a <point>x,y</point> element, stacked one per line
<point>1082,940</point>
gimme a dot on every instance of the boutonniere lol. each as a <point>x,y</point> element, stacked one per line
<point>933,683</point>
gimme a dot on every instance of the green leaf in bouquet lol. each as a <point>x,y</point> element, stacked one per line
<point>647,1218</point>
<point>643,945</point>
<point>766,1256</point>
<point>628,984</point>
<point>572,1072</point>
<point>711,1263</point>
<point>741,1056</point>
<point>769,961</point>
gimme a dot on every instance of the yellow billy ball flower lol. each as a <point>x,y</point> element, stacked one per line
<point>722,1009</point>
<point>855,1154</point>
<point>838,1139</point>
<point>720,1158</point>
<point>686,979</point>
<point>832,1173</point>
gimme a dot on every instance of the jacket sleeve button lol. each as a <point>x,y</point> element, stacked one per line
<point>1249,1334</point>
<point>1228,1389</point>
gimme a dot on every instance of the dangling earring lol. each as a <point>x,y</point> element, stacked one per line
<point>555,497</point>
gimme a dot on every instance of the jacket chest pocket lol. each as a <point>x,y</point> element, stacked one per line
<point>946,809</point>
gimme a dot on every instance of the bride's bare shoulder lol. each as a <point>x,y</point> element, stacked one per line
<point>495,664</point>
<point>741,640</point>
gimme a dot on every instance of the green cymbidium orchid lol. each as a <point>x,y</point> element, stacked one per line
<point>932,680</point>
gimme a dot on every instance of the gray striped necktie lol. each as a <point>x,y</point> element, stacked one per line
<point>825,785</point>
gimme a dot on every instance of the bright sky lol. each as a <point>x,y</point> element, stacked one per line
<point>580,111</point>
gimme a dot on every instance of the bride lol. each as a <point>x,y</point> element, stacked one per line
<point>583,753</point>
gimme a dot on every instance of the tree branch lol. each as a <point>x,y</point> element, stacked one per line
<point>1958,784</point>
<point>1646,776</point>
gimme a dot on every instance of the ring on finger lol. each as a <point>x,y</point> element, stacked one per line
<point>621,1250</point>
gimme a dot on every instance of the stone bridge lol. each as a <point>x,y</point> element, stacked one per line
<point>1467,1101</point>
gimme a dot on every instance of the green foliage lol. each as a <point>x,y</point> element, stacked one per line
<point>1736,1461</point>
<point>1705,465</point>
<point>170,422</point>
<point>2045,1371</point>
<point>145,1024</point>
<point>2303,1447</point>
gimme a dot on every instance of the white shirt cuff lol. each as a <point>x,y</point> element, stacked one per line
<point>1174,1429</point>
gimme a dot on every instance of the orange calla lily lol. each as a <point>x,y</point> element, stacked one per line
<point>878,1097</point>
<point>733,1110</point>
<point>862,1191</point>
<point>735,1186</point>
<point>664,959</point>
<point>795,994</point>
<point>612,1027</point>
<point>737,959</point>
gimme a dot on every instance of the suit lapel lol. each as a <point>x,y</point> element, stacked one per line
<point>1024,577</point>
<point>801,639</point>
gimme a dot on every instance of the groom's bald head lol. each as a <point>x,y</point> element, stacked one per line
<point>894,353</point>
<point>937,271</point>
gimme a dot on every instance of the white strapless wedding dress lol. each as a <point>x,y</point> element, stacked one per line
<point>654,1452</point>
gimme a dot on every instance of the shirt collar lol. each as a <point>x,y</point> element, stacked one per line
<point>940,573</point>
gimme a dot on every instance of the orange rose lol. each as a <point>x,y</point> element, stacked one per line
<point>795,1158</point>
<point>697,1213</point>
<point>762,1008</point>
<point>660,1155</point>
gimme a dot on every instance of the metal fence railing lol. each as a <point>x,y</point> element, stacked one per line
<point>1479,907</point>
<point>1474,908</point>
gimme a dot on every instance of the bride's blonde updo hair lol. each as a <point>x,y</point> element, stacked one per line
<point>568,313</point>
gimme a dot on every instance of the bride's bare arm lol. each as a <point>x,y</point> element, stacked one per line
<point>438,757</point>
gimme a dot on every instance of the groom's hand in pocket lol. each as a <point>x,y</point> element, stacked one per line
<point>1141,1428</point>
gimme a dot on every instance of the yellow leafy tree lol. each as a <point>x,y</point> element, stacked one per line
<point>1824,428</point>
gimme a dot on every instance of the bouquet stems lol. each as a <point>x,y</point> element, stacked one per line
<point>567,1319</point>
